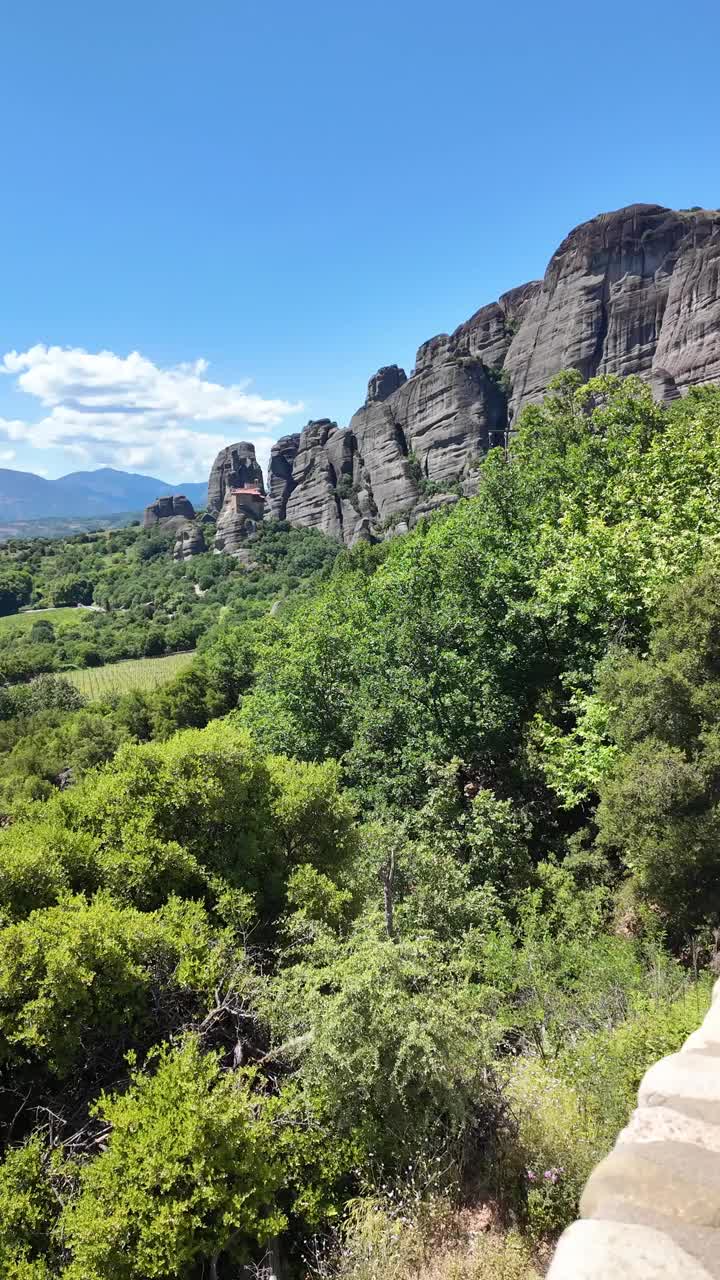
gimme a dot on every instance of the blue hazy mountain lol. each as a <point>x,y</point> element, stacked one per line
<point>24,496</point>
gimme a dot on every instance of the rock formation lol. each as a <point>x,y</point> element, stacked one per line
<point>280,474</point>
<point>387,380</point>
<point>235,467</point>
<point>236,495</point>
<point>242,511</point>
<point>323,460</point>
<point>636,291</point>
<point>173,507</point>
<point>189,541</point>
<point>176,514</point>
<point>402,449</point>
<point>631,292</point>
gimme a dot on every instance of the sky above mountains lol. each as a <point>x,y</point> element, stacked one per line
<point>219,220</point>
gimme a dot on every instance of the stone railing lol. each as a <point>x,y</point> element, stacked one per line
<point>651,1209</point>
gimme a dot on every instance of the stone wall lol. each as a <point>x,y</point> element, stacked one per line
<point>651,1209</point>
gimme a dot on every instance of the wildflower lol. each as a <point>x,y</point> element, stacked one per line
<point>531,1176</point>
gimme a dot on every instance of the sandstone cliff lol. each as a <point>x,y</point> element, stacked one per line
<point>236,494</point>
<point>635,291</point>
<point>189,541</point>
<point>242,511</point>
<point>175,506</point>
<point>235,467</point>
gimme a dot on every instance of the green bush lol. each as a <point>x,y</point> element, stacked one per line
<point>81,981</point>
<point>189,1176</point>
<point>28,1212</point>
<point>569,1110</point>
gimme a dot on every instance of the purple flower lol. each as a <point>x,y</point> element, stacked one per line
<point>531,1177</point>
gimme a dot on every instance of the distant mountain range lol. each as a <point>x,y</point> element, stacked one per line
<point>24,496</point>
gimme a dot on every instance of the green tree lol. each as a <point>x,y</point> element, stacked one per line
<point>204,790</point>
<point>28,1212</point>
<point>660,801</point>
<point>70,591</point>
<point>386,1034</point>
<point>188,1180</point>
<point>78,981</point>
<point>15,588</point>
<point>312,816</point>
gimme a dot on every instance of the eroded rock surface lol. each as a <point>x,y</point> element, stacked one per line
<point>636,291</point>
<point>175,506</point>
<point>242,511</point>
<point>313,498</point>
<point>280,474</point>
<point>235,467</point>
<point>189,541</point>
<point>385,382</point>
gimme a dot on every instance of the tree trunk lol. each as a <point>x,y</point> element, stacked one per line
<point>274,1259</point>
<point>387,876</point>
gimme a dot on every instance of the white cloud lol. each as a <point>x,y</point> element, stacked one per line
<point>128,412</point>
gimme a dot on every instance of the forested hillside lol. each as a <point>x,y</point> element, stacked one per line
<point>146,603</point>
<point>344,951</point>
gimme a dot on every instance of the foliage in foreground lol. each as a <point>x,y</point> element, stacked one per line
<point>422,869</point>
<point>190,1172</point>
<point>395,1237</point>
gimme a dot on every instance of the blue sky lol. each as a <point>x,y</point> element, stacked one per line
<point>266,202</point>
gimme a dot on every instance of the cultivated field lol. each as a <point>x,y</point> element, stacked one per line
<point>145,674</point>
<point>58,617</point>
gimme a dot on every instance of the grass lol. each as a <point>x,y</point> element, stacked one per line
<point>145,674</point>
<point>431,1242</point>
<point>58,617</point>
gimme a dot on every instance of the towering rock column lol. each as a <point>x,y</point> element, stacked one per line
<point>236,494</point>
<point>235,467</point>
<point>280,474</point>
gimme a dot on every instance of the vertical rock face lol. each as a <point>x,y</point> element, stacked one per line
<point>189,541</point>
<point>242,511</point>
<point>313,498</point>
<point>385,382</point>
<point>236,494</point>
<point>175,513</point>
<point>428,433</point>
<point>424,435</point>
<point>688,349</point>
<point>634,291</point>
<point>235,467</point>
<point>173,506</point>
<point>488,334</point>
<point>631,292</point>
<point>280,471</point>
